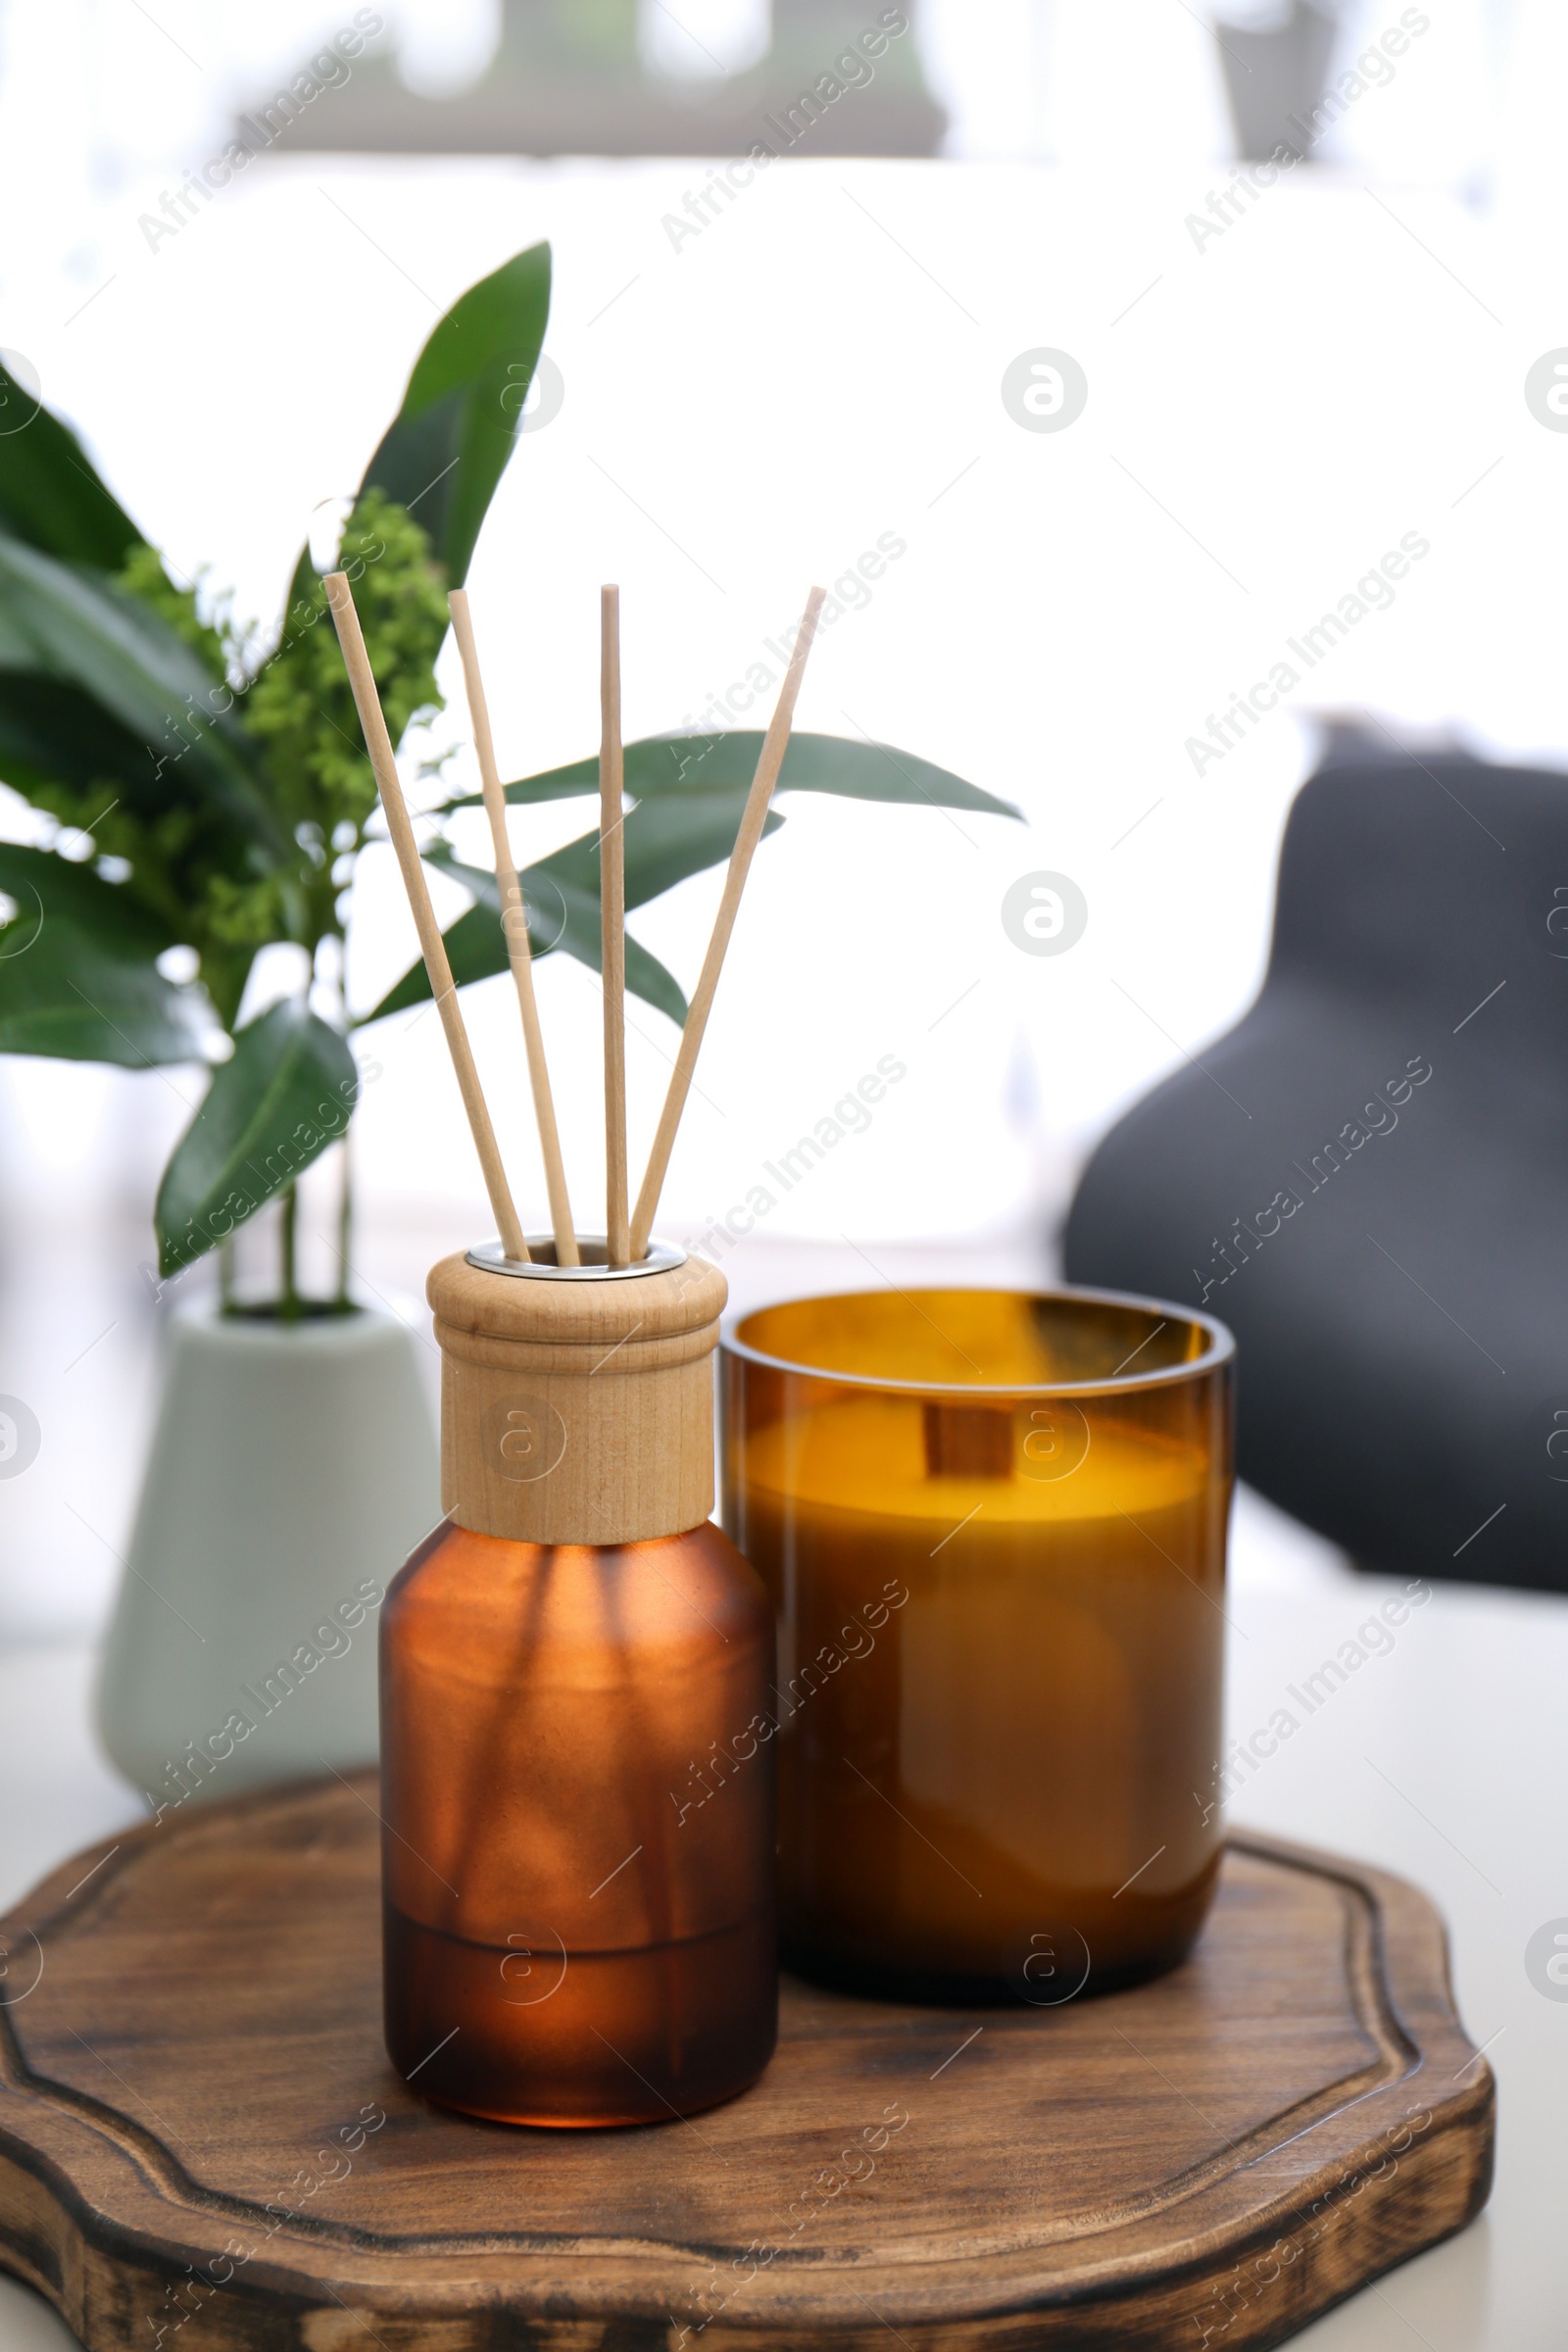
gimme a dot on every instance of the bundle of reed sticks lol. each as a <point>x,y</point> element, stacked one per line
<point>627,1231</point>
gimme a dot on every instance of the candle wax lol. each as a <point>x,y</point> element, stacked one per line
<point>1000,1685</point>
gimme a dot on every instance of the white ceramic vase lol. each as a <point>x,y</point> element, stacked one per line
<point>293,1469</point>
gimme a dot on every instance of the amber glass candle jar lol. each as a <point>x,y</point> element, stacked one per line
<point>994,1526</point>
<point>570,1936</point>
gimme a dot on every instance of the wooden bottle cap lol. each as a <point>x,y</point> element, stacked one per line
<point>577,1402</point>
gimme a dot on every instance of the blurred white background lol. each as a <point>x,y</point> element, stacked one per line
<point>1269,410</point>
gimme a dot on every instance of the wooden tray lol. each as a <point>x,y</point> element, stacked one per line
<point>199,2128</point>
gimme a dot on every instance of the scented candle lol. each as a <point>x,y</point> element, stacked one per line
<point>992,1525</point>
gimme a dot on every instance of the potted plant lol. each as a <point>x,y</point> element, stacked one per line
<point>209,798</point>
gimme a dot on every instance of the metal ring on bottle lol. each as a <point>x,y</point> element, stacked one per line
<point>491,1258</point>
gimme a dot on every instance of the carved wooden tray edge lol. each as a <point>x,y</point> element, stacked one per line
<point>107,2276</point>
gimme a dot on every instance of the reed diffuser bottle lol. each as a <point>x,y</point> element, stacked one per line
<point>579,1918</point>
<point>577,1778</point>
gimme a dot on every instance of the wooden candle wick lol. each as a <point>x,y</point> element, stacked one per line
<point>378,743</point>
<point>774,745</point>
<point>613,928</point>
<point>515,926</point>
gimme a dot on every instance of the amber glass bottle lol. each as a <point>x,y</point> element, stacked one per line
<point>994,1529</point>
<point>578,1862</point>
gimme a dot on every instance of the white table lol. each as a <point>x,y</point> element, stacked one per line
<point>1446,1758</point>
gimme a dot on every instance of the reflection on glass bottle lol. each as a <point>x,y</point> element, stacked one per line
<point>578,1866</point>
<point>1024,1500</point>
<point>590,1950</point>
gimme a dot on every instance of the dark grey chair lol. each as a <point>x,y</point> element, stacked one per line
<point>1368,1179</point>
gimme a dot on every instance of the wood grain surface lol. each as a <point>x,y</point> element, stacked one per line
<point>202,2141</point>
<point>577,1412</point>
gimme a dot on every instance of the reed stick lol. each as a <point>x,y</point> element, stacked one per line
<point>378,743</point>
<point>613,927</point>
<point>774,745</point>
<point>515,926</point>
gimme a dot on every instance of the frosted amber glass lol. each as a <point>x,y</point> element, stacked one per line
<point>994,1528</point>
<point>572,1935</point>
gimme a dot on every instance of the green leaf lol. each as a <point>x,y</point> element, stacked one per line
<point>561,784</point>
<point>670,764</point>
<point>560,915</point>
<point>53,734</point>
<point>665,841</point>
<point>74,893</point>
<point>50,494</point>
<point>646,977</point>
<point>288,1092</point>
<point>476,951</point>
<point>82,632</point>
<point>689,792</point>
<point>562,897</point>
<point>448,446</point>
<point>851,767</point>
<point>79,976</point>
